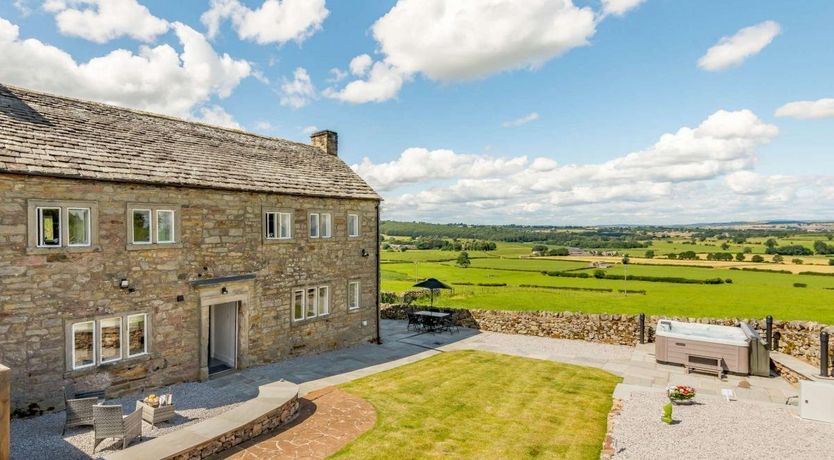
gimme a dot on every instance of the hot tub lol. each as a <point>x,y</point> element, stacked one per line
<point>703,346</point>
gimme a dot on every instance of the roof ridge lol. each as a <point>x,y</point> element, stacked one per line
<point>151,114</point>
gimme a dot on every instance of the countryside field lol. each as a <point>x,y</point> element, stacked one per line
<point>751,294</point>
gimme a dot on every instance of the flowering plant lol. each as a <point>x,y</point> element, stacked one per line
<point>680,393</point>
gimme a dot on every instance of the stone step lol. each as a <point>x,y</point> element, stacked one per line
<point>802,369</point>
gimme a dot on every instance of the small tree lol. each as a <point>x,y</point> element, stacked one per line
<point>725,246</point>
<point>463,260</point>
<point>830,261</point>
<point>778,259</point>
<point>797,261</point>
<point>650,254</point>
<point>771,243</point>
<point>626,260</point>
<point>539,248</point>
<point>757,258</point>
<point>740,257</point>
<point>747,250</point>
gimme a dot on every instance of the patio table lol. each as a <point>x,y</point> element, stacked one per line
<point>432,318</point>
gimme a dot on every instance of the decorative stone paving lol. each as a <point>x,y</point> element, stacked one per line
<point>328,419</point>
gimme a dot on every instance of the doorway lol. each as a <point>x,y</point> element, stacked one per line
<point>223,338</point>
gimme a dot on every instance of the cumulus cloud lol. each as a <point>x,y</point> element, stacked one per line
<point>521,121</point>
<point>732,51</point>
<point>308,130</point>
<point>103,20</point>
<point>679,163</point>
<point>275,21</point>
<point>157,79</point>
<point>298,92</point>
<point>360,64</point>
<point>619,7</point>
<point>216,115</point>
<point>465,39</point>
<point>821,108</point>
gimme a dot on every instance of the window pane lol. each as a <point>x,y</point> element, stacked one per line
<point>353,295</point>
<point>49,226</point>
<point>353,225</point>
<point>270,225</point>
<point>324,300</point>
<point>298,305</point>
<point>110,333</point>
<point>141,226</point>
<point>286,225</point>
<point>78,224</point>
<point>314,225</point>
<point>325,225</point>
<point>164,226</point>
<point>136,332</point>
<point>82,345</point>
<point>311,302</point>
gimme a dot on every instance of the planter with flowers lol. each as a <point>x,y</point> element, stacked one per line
<point>681,394</point>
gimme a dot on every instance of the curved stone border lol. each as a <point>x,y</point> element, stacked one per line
<point>276,404</point>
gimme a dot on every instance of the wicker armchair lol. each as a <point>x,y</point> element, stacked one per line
<point>109,422</point>
<point>79,411</point>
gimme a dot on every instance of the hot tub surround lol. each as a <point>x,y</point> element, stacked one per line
<point>681,343</point>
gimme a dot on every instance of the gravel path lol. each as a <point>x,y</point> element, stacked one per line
<point>717,429</point>
<point>34,437</point>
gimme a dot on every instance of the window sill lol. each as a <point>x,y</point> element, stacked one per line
<point>269,241</point>
<point>62,250</point>
<point>104,367</point>
<point>310,320</point>
<point>143,247</point>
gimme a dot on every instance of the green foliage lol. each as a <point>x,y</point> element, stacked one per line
<point>790,250</point>
<point>747,250</point>
<point>771,243</point>
<point>626,260</point>
<point>561,251</point>
<point>740,257</point>
<point>539,248</point>
<point>688,255</point>
<point>800,285</point>
<point>823,248</point>
<point>757,258</point>
<point>667,414</point>
<point>389,297</point>
<point>725,246</point>
<point>463,260</point>
<point>650,254</point>
<point>725,256</point>
<point>830,261</point>
<point>778,259</point>
<point>797,261</point>
<point>600,274</point>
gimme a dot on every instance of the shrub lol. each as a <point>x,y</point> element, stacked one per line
<point>463,260</point>
<point>728,281</point>
<point>650,254</point>
<point>830,261</point>
<point>757,258</point>
<point>799,285</point>
<point>599,274</point>
<point>558,252</point>
<point>778,259</point>
<point>389,297</point>
<point>539,248</point>
<point>740,257</point>
<point>797,261</point>
<point>790,250</point>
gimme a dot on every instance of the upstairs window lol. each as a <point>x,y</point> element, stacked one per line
<point>278,225</point>
<point>62,224</point>
<point>149,225</point>
<point>320,225</point>
<point>314,225</point>
<point>165,226</point>
<point>141,224</point>
<point>353,225</point>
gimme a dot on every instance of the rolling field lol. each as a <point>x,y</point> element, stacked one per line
<point>750,295</point>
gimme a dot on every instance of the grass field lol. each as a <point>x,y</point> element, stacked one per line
<point>751,294</point>
<point>471,404</point>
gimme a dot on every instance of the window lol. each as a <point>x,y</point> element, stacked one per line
<point>83,341</point>
<point>141,224</point>
<point>79,227</point>
<point>312,302</point>
<point>49,227</point>
<point>278,225</point>
<point>314,225</point>
<point>353,295</point>
<point>165,226</point>
<point>110,339</point>
<point>298,305</point>
<point>324,300</point>
<point>353,225</point>
<point>326,226</point>
<point>136,332</point>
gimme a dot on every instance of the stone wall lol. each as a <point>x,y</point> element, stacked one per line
<point>5,413</point>
<point>43,291</point>
<point>798,338</point>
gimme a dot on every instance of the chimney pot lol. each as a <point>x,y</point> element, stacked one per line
<point>327,141</point>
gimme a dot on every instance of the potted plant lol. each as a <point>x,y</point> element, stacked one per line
<point>681,394</point>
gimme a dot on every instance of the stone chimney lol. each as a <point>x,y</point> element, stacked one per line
<point>327,141</point>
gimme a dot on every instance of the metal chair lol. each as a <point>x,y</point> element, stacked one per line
<point>79,411</point>
<point>109,422</point>
<point>413,320</point>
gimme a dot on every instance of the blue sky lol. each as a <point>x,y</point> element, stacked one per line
<point>478,111</point>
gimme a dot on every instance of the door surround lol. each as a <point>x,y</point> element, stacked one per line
<point>242,292</point>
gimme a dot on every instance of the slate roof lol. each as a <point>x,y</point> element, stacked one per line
<point>42,134</point>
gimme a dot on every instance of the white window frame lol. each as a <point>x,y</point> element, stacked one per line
<point>144,333</point>
<point>151,226</point>
<point>173,214</point>
<point>277,218</point>
<point>326,231</point>
<point>39,222</point>
<point>314,216</point>
<point>99,344</point>
<point>295,293</point>
<point>314,304</point>
<point>89,227</point>
<point>323,300</point>
<point>355,218</point>
<point>354,298</point>
<point>281,216</point>
<point>72,344</point>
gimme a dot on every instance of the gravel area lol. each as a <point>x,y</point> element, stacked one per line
<point>40,437</point>
<point>716,429</point>
<point>545,347</point>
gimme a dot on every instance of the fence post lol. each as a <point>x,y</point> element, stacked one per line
<point>5,412</point>
<point>642,328</point>
<point>769,328</point>
<point>823,354</point>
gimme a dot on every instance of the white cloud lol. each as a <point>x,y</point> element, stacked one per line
<point>216,115</point>
<point>732,51</point>
<point>360,64</point>
<point>157,79</point>
<point>337,75</point>
<point>821,108</point>
<point>275,21</point>
<point>532,116</point>
<point>453,185</point>
<point>466,39</point>
<point>619,7</point>
<point>22,7</point>
<point>298,92</point>
<point>103,20</point>
<point>308,130</point>
<point>264,126</point>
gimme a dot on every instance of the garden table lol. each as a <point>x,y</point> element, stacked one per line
<point>432,319</point>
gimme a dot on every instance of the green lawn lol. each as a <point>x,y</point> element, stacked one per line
<point>471,404</point>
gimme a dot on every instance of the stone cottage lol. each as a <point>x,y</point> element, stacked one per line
<point>139,250</point>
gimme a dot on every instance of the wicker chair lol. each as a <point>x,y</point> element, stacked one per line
<point>79,411</point>
<point>109,422</point>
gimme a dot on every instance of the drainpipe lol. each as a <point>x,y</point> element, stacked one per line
<point>378,278</point>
